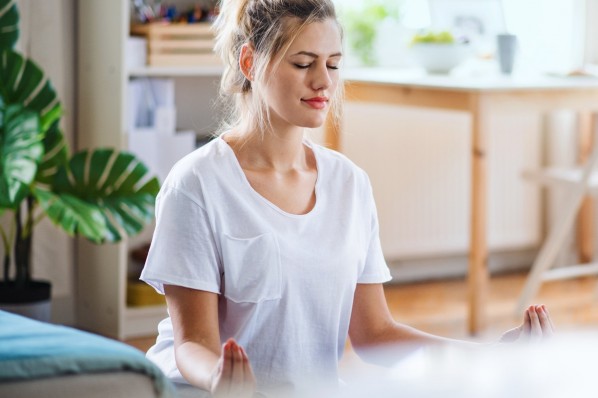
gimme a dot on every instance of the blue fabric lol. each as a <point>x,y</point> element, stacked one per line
<point>33,349</point>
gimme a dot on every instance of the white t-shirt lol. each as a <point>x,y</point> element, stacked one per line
<point>286,282</point>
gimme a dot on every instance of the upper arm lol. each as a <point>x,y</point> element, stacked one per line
<point>194,315</point>
<point>370,316</point>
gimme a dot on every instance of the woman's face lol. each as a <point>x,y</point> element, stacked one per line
<point>299,89</point>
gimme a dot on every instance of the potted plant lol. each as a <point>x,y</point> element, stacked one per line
<point>100,194</point>
<point>362,26</point>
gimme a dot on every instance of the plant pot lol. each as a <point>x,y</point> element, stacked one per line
<point>31,300</point>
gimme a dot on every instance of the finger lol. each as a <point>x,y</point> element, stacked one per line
<point>549,317</point>
<point>544,321</point>
<point>226,361</point>
<point>511,335</point>
<point>237,376</point>
<point>527,326</point>
<point>248,371</point>
<point>223,384</point>
<point>536,331</point>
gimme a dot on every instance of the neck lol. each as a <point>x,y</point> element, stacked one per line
<point>278,149</point>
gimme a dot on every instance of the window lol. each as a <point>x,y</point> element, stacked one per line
<point>552,33</point>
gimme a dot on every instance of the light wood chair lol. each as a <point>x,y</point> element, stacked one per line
<point>579,183</point>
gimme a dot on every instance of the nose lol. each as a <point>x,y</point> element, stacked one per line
<point>321,79</point>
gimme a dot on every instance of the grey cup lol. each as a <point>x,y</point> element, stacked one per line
<point>506,52</point>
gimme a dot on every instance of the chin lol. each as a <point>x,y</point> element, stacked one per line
<point>313,123</point>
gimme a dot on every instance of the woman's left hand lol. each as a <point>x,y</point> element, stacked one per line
<point>536,326</point>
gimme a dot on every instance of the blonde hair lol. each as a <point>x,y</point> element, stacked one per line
<point>270,26</point>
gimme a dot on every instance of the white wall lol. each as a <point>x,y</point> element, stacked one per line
<point>591,36</point>
<point>551,32</point>
<point>419,164</point>
<point>48,37</point>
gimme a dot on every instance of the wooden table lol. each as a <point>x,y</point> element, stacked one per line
<point>479,97</point>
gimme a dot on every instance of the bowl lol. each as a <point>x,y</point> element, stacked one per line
<point>439,57</point>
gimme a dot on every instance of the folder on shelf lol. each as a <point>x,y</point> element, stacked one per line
<point>145,97</point>
<point>161,151</point>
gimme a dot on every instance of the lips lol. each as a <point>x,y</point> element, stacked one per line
<point>316,102</point>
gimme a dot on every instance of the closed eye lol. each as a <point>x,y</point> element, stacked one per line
<point>305,66</point>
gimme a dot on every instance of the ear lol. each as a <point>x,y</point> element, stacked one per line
<point>246,61</point>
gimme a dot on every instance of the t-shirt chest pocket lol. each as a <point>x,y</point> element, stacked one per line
<point>251,268</point>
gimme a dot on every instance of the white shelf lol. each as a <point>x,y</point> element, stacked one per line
<point>102,270</point>
<point>195,71</point>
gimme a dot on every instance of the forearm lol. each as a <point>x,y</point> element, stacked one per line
<point>397,333</point>
<point>396,340</point>
<point>377,337</point>
<point>196,363</point>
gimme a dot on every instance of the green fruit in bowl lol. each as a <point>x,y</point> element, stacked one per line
<point>438,52</point>
<point>444,37</point>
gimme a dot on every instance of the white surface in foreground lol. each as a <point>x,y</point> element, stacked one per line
<point>562,367</point>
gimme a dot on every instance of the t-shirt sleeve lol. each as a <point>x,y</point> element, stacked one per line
<point>375,269</point>
<point>183,251</point>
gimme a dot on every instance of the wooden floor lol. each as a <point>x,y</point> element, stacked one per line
<point>439,307</point>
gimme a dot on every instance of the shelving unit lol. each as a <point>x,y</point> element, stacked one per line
<point>156,71</point>
<point>103,78</point>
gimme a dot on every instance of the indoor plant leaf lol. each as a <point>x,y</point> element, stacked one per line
<point>37,178</point>
<point>115,182</point>
<point>21,149</point>
<point>73,215</point>
<point>23,82</point>
<point>9,24</point>
<point>34,161</point>
<point>55,154</point>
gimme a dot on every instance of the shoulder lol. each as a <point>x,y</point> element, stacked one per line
<point>204,160</point>
<point>339,166</point>
<point>190,172</point>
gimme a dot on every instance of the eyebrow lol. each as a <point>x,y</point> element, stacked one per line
<point>313,55</point>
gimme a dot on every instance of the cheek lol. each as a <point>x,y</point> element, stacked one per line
<point>292,77</point>
<point>278,96</point>
<point>286,83</point>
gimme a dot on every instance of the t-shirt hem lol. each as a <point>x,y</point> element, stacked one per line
<point>158,281</point>
<point>375,278</point>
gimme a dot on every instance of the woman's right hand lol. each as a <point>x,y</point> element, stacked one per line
<point>536,326</point>
<point>233,376</point>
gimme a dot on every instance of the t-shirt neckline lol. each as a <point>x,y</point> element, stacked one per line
<point>247,185</point>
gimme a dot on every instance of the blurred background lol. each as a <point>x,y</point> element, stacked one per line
<point>418,159</point>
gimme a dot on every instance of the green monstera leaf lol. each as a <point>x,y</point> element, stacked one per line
<point>21,149</point>
<point>73,215</point>
<point>56,154</point>
<point>23,82</point>
<point>116,183</point>
<point>9,24</point>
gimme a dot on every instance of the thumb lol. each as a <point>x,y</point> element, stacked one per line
<point>511,335</point>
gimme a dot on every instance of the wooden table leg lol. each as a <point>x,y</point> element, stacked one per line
<point>478,251</point>
<point>585,218</point>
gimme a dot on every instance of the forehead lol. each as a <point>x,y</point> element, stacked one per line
<point>323,37</point>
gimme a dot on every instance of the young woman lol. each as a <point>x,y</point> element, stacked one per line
<point>266,244</point>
